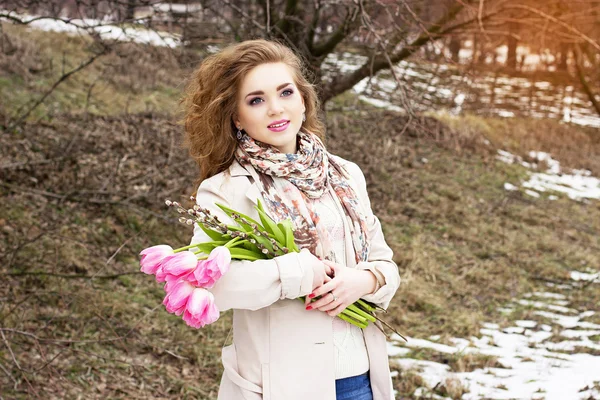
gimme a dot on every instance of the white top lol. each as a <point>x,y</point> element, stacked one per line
<point>350,351</point>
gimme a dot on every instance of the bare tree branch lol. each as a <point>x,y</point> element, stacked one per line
<point>565,25</point>
<point>381,62</point>
<point>291,8</point>
<point>60,80</point>
<point>350,23</point>
<point>584,83</point>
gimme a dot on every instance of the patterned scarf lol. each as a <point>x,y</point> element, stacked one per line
<point>306,176</point>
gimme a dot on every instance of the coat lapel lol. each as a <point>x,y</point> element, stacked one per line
<point>253,193</point>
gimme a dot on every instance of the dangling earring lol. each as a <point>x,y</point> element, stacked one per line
<point>239,133</point>
<point>303,117</point>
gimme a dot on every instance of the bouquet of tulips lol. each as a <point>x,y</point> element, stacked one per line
<point>187,274</point>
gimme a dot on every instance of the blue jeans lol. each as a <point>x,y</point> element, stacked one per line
<point>354,388</point>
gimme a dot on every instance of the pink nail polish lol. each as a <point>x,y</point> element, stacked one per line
<point>308,308</point>
<point>311,296</point>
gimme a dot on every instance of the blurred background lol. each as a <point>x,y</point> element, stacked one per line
<point>476,122</point>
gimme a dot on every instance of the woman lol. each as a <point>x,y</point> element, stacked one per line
<point>252,126</point>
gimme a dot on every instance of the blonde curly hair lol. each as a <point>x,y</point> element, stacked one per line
<point>210,102</point>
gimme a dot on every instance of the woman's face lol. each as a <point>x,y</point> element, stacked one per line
<point>267,97</point>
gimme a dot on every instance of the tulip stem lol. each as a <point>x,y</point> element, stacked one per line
<point>352,321</point>
<point>364,305</point>
<point>360,312</point>
<point>232,242</point>
<point>354,315</point>
<point>185,248</point>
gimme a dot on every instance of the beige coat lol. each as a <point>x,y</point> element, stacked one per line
<point>280,351</point>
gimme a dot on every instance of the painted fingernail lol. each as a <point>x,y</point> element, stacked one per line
<point>311,296</point>
<point>308,308</point>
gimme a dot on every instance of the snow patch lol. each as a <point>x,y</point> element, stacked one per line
<point>577,185</point>
<point>106,29</point>
<point>535,367</point>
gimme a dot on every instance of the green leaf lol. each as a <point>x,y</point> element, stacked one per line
<point>206,248</point>
<point>240,253</point>
<point>249,246</point>
<point>289,236</point>
<point>282,229</point>
<point>271,227</point>
<point>214,235</point>
<point>260,205</point>
<point>244,257</point>
<point>229,212</point>
<point>263,240</point>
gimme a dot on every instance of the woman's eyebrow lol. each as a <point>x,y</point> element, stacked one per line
<point>261,92</point>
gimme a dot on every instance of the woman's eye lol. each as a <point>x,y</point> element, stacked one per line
<point>255,100</point>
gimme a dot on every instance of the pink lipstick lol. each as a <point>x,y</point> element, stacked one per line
<point>280,126</point>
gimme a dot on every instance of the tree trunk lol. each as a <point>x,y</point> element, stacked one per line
<point>130,10</point>
<point>582,78</point>
<point>475,47</point>
<point>563,57</point>
<point>511,58</point>
<point>454,47</point>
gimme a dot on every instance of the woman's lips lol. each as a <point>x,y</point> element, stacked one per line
<point>279,128</point>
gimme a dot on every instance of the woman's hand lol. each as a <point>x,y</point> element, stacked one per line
<point>321,274</point>
<point>347,285</point>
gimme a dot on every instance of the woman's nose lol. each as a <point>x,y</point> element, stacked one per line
<point>275,108</point>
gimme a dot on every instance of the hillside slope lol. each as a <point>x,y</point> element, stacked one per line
<point>82,194</point>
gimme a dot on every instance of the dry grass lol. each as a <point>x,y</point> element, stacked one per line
<point>575,146</point>
<point>458,362</point>
<point>82,195</point>
<point>453,388</point>
<point>131,78</point>
<point>407,381</point>
<point>87,212</point>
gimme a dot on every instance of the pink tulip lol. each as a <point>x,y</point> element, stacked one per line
<point>177,266</point>
<point>169,286</point>
<point>161,276</point>
<point>209,271</point>
<point>201,309</point>
<point>177,297</point>
<point>152,256</point>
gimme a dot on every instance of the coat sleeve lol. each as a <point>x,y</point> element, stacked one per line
<point>380,260</point>
<point>256,284</point>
